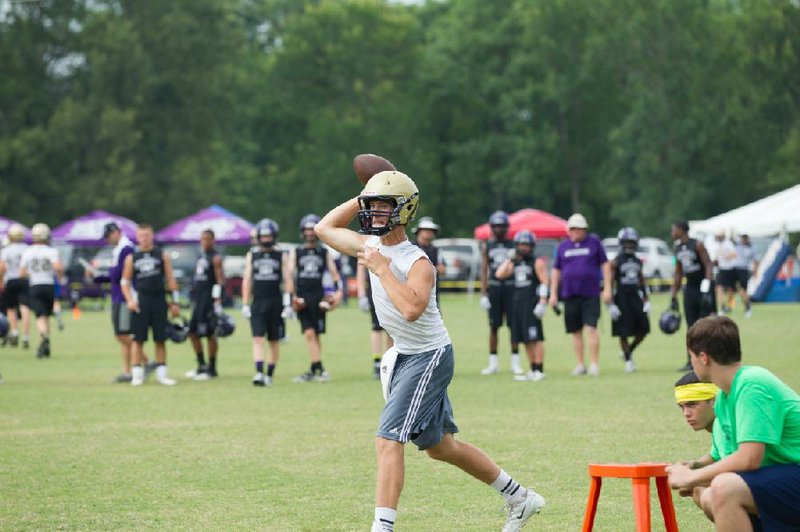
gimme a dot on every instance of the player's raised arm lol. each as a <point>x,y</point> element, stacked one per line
<point>332,229</point>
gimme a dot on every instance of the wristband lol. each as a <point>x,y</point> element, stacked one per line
<point>705,285</point>
<point>124,282</point>
<point>176,296</point>
<point>216,291</point>
<point>543,290</point>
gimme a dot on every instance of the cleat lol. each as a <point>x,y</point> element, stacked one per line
<point>322,377</point>
<point>630,367</point>
<point>13,341</point>
<point>163,378</point>
<point>518,514</point>
<point>44,349</point>
<point>305,377</point>
<point>258,380</point>
<point>516,370</point>
<point>267,381</point>
<point>192,373</point>
<point>122,377</point>
<point>137,376</point>
<point>206,375</point>
<point>25,343</point>
<point>532,376</point>
<point>578,371</point>
<point>594,370</point>
<point>490,370</point>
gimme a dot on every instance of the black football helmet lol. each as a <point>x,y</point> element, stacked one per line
<point>224,326</point>
<point>669,322</point>
<point>178,330</point>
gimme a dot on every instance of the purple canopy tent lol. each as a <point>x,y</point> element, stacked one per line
<point>5,223</point>
<point>87,230</point>
<point>229,229</point>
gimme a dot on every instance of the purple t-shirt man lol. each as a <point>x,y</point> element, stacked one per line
<point>579,263</point>
<point>123,248</point>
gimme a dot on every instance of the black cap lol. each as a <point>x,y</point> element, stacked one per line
<point>109,228</point>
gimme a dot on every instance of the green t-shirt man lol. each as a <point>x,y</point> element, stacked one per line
<point>759,408</point>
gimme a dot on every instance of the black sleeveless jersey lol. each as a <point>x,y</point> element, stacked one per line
<point>431,251</point>
<point>148,271</point>
<point>310,265</point>
<point>267,273</point>
<point>498,253</point>
<point>686,254</point>
<point>628,267</point>
<point>525,280</point>
<point>205,277</point>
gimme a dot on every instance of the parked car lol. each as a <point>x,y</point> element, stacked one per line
<point>658,261</point>
<point>76,284</point>
<point>461,258</point>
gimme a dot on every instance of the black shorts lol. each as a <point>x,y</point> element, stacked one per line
<point>41,298</point>
<point>15,294</point>
<point>525,327</point>
<point>376,325</point>
<point>312,317</point>
<point>203,320</point>
<point>742,277</point>
<point>633,321</point>
<point>266,320</point>
<point>580,311</point>
<point>776,492</point>
<point>121,318</point>
<point>697,305</point>
<point>152,315</point>
<point>502,299</point>
<point>726,278</point>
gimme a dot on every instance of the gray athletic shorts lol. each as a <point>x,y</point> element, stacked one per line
<point>418,409</point>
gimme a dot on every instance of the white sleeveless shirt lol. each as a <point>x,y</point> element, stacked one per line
<point>410,337</point>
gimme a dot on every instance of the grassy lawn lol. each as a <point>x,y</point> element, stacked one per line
<point>79,453</point>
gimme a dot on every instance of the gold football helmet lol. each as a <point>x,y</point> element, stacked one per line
<point>396,188</point>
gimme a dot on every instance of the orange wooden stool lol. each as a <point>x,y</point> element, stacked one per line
<point>640,474</point>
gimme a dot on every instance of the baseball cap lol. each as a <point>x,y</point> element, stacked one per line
<point>577,221</point>
<point>109,228</point>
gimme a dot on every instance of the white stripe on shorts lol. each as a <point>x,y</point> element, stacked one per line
<point>419,392</point>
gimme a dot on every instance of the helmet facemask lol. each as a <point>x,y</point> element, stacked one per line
<point>366,214</point>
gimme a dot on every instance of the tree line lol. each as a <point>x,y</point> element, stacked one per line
<point>632,112</point>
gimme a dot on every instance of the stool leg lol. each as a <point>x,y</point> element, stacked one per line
<point>641,503</point>
<point>591,504</point>
<point>667,509</point>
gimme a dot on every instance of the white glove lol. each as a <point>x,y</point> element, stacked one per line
<point>614,311</point>
<point>539,310</point>
<point>288,313</point>
<point>485,303</point>
<point>246,311</point>
<point>646,307</point>
<point>363,303</point>
<point>217,308</point>
<point>705,286</point>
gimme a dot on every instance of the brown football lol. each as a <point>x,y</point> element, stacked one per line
<point>367,165</point>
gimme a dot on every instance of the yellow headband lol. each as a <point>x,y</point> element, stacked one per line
<point>698,391</point>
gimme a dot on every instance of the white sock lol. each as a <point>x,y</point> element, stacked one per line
<point>137,373</point>
<point>492,360</point>
<point>514,360</point>
<point>510,489</point>
<point>384,519</point>
<point>161,372</point>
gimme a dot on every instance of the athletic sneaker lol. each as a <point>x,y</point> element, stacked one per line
<point>205,375</point>
<point>518,514</point>
<point>44,349</point>
<point>25,343</point>
<point>630,367</point>
<point>578,371</point>
<point>258,380</point>
<point>13,341</point>
<point>308,376</point>
<point>322,377</point>
<point>267,381</point>
<point>122,377</point>
<point>490,370</point>
<point>594,370</point>
<point>516,370</point>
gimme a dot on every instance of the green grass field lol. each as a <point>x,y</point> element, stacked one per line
<point>79,453</point>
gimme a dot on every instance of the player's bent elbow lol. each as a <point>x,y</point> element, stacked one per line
<point>412,314</point>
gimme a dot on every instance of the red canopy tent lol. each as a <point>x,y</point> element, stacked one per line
<point>540,223</point>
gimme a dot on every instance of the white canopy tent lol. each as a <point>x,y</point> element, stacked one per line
<point>773,215</point>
